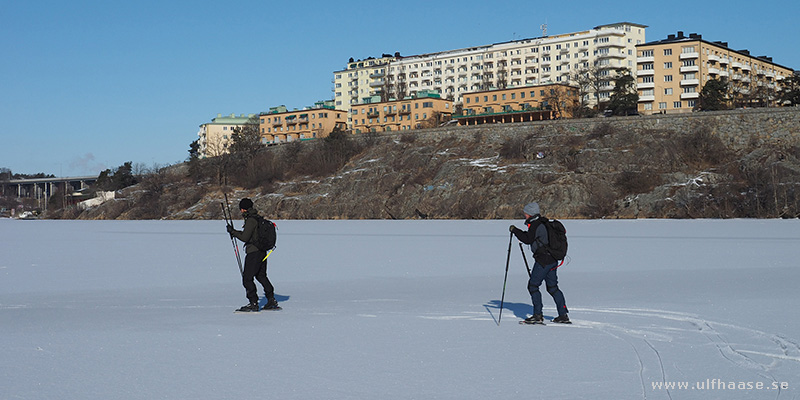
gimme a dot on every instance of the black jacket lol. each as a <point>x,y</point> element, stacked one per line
<point>536,236</point>
<point>249,232</point>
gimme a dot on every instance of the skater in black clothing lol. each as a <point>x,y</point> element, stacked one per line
<point>544,267</point>
<point>255,263</point>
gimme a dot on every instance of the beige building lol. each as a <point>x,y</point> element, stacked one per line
<point>215,138</point>
<point>531,103</point>
<point>360,80</point>
<point>517,63</point>
<point>671,74</point>
<point>425,110</point>
<point>281,125</point>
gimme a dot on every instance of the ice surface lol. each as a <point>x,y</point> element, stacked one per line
<point>397,310</point>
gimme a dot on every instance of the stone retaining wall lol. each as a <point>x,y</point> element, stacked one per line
<point>738,128</point>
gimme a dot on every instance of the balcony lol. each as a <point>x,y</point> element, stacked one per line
<point>713,71</point>
<point>690,96</point>
<point>641,60</point>
<point>375,75</point>
<point>713,58</point>
<point>646,85</point>
<point>690,68</point>
<point>690,82</point>
<point>647,99</point>
<point>645,72</point>
<point>377,83</point>
<point>689,56</point>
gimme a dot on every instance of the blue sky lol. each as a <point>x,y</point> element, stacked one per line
<point>89,85</point>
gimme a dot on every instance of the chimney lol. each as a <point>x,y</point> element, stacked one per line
<point>680,35</point>
<point>671,36</point>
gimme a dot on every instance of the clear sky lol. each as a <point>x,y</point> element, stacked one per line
<point>89,85</point>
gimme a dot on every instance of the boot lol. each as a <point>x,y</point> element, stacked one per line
<point>562,319</point>
<point>252,307</point>
<point>272,304</point>
<point>534,319</point>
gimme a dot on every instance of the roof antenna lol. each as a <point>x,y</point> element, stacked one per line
<point>543,27</point>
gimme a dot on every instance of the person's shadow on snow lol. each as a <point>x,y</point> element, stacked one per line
<point>520,310</point>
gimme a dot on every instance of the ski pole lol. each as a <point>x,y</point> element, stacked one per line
<point>233,241</point>
<point>503,298</point>
<point>525,259</point>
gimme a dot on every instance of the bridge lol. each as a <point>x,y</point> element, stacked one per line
<point>44,188</point>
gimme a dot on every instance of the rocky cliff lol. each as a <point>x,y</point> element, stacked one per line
<point>717,165</point>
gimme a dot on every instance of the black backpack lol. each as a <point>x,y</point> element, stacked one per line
<point>556,237</point>
<point>266,236</point>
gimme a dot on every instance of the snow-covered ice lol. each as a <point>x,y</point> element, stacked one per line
<point>398,310</point>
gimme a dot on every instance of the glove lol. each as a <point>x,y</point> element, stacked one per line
<point>229,228</point>
<point>511,228</point>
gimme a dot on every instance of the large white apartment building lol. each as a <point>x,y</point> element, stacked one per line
<point>518,63</point>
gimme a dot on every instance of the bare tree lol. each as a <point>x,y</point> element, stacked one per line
<point>592,80</point>
<point>400,87</point>
<point>502,75</point>
<point>247,138</point>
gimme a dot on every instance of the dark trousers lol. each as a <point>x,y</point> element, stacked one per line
<point>255,268</point>
<point>547,274</point>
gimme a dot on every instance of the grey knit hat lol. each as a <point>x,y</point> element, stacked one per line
<point>531,209</point>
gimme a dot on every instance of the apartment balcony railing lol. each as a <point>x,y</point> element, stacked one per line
<point>688,56</point>
<point>689,96</point>
<point>690,82</point>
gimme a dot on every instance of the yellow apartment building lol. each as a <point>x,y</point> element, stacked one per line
<point>671,73</point>
<point>281,125</point>
<point>425,110</point>
<point>531,103</point>
<point>215,138</point>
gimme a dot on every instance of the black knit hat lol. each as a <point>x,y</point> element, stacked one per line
<point>246,204</point>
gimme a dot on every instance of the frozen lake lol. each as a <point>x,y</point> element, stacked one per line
<point>398,310</point>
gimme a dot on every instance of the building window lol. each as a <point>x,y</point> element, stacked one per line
<point>667,78</point>
<point>648,106</point>
<point>662,105</point>
<point>647,53</point>
<point>676,104</point>
<point>668,65</point>
<point>667,52</point>
<point>668,91</point>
